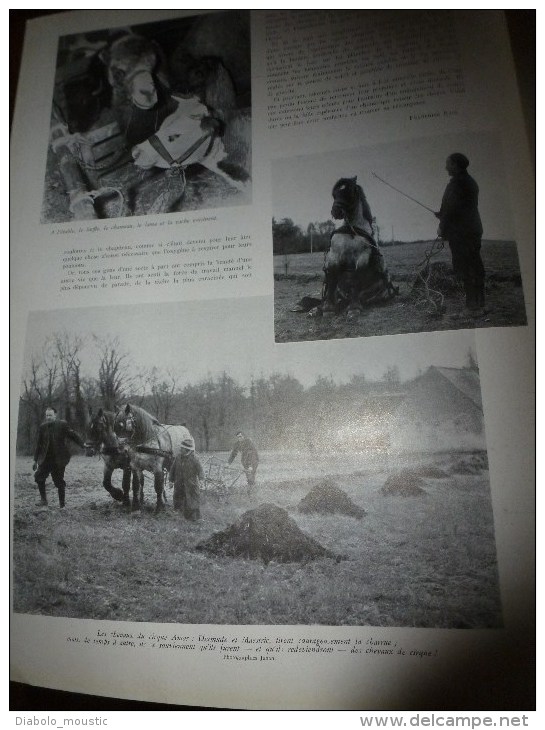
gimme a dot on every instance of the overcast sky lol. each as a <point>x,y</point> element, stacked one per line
<point>302,185</point>
<point>197,339</point>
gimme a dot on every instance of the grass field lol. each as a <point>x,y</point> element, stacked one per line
<point>426,561</point>
<point>304,277</point>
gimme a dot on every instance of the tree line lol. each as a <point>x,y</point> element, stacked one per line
<point>275,409</point>
<point>290,238</point>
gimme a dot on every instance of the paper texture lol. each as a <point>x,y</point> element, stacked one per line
<point>171,208</point>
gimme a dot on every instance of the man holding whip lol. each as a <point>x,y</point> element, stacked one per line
<point>460,224</point>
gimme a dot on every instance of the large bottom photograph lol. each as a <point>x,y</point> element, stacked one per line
<point>170,469</point>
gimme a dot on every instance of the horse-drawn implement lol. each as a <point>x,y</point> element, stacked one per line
<point>219,478</point>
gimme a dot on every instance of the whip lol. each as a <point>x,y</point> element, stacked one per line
<point>402,193</point>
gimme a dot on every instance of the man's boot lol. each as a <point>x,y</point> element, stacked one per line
<point>43,498</point>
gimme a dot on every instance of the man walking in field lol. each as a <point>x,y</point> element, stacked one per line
<point>51,455</point>
<point>185,475</point>
<point>249,457</point>
<point>460,224</point>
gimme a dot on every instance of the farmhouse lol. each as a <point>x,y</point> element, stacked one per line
<point>442,411</point>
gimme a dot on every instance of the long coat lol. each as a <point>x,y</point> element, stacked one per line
<point>186,473</point>
<point>459,215</point>
<point>51,443</point>
<point>248,453</point>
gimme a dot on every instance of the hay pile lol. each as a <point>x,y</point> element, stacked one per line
<point>265,533</point>
<point>326,498</point>
<point>429,471</point>
<point>404,484</point>
<point>472,464</point>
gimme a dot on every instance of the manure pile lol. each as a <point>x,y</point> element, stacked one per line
<point>430,471</point>
<point>326,498</point>
<point>265,533</point>
<point>473,464</point>
<point>404,484</point>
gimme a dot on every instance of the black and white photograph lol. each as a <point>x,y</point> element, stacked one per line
<point>198,475</point>
<point>412,236</point>
<point>151,118</point>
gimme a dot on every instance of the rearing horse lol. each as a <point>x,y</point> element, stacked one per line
<point>355,274</point>
<point>151,446</point>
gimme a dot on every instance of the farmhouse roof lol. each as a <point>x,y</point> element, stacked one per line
<point>465,380</point>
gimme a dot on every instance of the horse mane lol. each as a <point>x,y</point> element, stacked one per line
<point>145,424</point>
<point>365,209</point>
<point>109,417</point>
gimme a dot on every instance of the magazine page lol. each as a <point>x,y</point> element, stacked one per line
<point>272,397</point>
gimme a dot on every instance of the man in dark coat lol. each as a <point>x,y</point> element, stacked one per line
<point>460,224</point>
<point>51,455</point>
<point>248,456</point>
<point>186,474</point>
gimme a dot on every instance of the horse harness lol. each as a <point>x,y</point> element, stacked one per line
<point>160,148</point>
<point>152,450</point>
<point>353,231</point>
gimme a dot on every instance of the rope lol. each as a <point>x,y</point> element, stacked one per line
<point>430,296</point>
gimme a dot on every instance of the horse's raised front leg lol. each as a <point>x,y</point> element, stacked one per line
<point>116,493</point>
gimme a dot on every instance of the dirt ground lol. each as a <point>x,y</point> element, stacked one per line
<point>427,561</point>
<point>402,314</point>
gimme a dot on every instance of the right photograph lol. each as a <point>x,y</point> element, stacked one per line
<point>412,236</point>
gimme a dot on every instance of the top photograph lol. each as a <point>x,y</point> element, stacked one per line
<point>151,118</point>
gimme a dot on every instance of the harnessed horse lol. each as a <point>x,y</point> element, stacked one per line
<point>355,273</point>
<point>151,447</point>
<point>102,439</point>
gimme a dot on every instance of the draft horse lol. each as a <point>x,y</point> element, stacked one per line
<point>151,447</point>
<point>103,440</point>
<point>355,272</point>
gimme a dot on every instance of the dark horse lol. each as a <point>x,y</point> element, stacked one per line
<point>151,447</point>
<point>355,273</point>
<point>102,440</point>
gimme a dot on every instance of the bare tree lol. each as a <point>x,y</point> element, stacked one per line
<point>68,349</point>
<point>39,389</point>
<point>164,389</point>
<point>391,376</point>
<point>114,373</point>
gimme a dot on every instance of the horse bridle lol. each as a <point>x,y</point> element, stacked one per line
<point>99,440</point>
<point>347,209</point>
